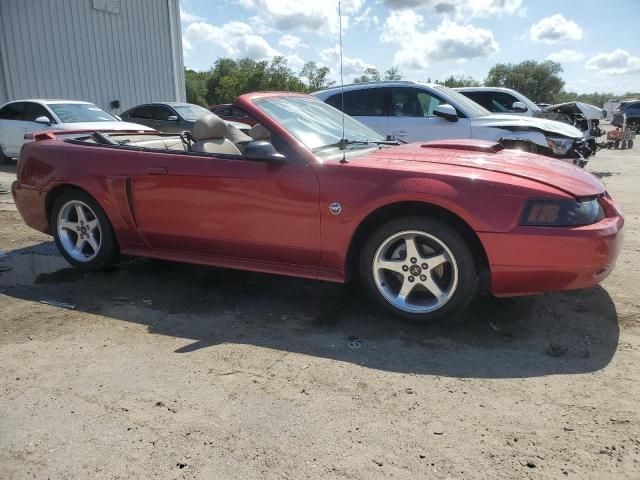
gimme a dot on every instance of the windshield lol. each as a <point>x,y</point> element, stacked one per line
<point>80,112</point>
<point>313,122</point>
<point>471,108</point>
<point>191,112</point>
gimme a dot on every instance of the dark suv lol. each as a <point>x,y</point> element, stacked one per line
<point>632,111</point>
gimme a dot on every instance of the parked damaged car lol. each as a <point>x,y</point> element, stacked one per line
<point>414,111</point>
<point>583,116</point>
<point>314,193</point>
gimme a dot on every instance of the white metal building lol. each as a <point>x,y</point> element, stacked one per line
<point>108,52</point>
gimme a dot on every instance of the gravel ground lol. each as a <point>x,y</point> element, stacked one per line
<point>165,370</point>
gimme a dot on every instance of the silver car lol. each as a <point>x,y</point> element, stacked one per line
<point>170,117</point>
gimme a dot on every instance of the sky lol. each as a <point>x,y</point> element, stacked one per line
<point>598,50</point>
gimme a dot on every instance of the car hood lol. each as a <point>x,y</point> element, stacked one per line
<point>493,157</point>
<point>115,125</point>
<point>527,123</point>
<point>576,108</point>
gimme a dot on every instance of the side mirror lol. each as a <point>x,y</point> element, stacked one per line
<point>172,118</point>
<point>519,107</point>
<point>43,120</point>
<point>263,151</point>
<point>447,112</point>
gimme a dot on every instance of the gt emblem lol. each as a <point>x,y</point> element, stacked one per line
<point>335,208</point>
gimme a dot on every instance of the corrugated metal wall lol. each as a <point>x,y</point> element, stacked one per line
<point>70,49</point>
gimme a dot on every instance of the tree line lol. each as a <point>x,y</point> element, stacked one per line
<point>228,78</point>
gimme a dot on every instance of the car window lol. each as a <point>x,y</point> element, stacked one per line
<point>502,102</point>
<point>160,112</point>
<point>313,122</point>
<point>635,106</point>
<point>80,112</point>
<point>13,111</point>
<point>368,102</point>
<point>191,112</point>
<point>412,102</point>
<point>146,112</point>
<point>35,110</point>
<point>481,98</point>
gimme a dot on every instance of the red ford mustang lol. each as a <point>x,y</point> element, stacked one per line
<point>303,195</point>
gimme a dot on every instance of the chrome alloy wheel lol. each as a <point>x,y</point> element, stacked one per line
<point>79,231</point>
<point>415,271</point>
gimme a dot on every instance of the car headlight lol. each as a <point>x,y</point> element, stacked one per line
<point>561,213</point>
<point>559,145</point>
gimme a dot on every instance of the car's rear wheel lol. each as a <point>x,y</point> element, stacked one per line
<point>3,158</point>
<point>419,268</point>
<point>82,231</point>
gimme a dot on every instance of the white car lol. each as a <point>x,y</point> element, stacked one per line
<point>497,100</point>
<point>414,111</point>
<point>26,116</point>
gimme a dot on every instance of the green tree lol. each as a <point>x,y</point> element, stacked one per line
<point>459,81</point>
<point>393,74</point>
<point>196,86</point>
<point>317,77</point>
<point>541,82</point>
<point>370,75</point>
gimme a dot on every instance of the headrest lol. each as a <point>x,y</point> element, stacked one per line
<point>236,135</point>
<point>258,132</point>
<point>209,127</point>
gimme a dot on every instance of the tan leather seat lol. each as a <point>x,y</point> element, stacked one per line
<point>209,133</point>
<point>258,132</point>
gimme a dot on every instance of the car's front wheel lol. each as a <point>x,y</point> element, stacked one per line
<point>82,231</point>
<point>419,268</point>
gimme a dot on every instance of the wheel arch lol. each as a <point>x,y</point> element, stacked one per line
<point>398,209</point>
<point>56,192</point>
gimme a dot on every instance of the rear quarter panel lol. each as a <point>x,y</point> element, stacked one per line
<point>102,172</point>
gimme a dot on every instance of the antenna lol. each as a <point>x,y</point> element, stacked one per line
<point>343,142</point>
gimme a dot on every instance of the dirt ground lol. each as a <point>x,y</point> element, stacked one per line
<point>173,371</point>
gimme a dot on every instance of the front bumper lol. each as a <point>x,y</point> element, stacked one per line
<point>531,260</point>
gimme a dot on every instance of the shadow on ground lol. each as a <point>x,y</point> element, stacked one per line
<point>560,333</point>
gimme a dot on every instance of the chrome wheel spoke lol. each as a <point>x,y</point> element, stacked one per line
<point>406,289</point>
<point>82,218</point>
<point>412,247</point>
<point>436,260</point>
<point>80,242</point>
<point>393,265</point>
<point>93,223</point>
<point>434,288</point>
<point>91,240</point>
<point>68,225</point>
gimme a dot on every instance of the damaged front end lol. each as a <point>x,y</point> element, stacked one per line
<point>582,116</point>
<point>554,144</point>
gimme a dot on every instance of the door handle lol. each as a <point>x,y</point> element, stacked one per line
<point>156,170</point>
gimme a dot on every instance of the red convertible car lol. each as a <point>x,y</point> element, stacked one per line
<point>424,227</point>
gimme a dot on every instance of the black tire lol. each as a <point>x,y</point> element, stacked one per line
<point>467,283</point>
<point>108,251</point>
<point>616,144</point>
<point>4,160</point>
<point>630,144</point>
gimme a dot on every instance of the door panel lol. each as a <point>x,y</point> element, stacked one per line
<point>412,119</point>
<point>229,207</point>
<point>12,128</point>
<point>368,105</point>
